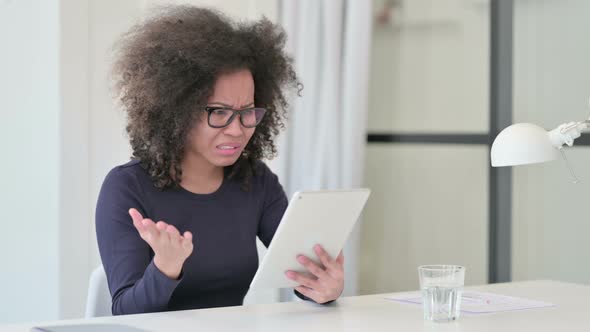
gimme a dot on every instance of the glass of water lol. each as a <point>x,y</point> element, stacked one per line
<point>441,287</point>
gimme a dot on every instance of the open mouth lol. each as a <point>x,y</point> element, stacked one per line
<point>228,147</point>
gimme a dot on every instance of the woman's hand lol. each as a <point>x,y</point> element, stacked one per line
<point>170,248</point>
<point>325,284</point>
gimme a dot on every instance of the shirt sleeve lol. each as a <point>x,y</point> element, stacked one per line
<point>305,298</point>
<point>274,206</point>
<point>135,283</point>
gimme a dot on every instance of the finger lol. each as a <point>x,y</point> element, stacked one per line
<point>149,231</point>
<point>312,267</point>
<point>187,239</point>
<point>161,226</point>
<point>147,222</point>
<point>311,294</point>
<point>340,259</point>
<point>301,279</point>
<point>324,257</point>
<point>173,231</point>
<point>136,217</point>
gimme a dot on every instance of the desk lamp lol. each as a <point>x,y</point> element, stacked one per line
<point>526,143</point>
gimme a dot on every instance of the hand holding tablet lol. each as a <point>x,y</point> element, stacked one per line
<point>313,217</point>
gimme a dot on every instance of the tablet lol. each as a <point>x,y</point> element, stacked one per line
<point>312,217</point>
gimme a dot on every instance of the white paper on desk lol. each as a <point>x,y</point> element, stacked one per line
<point>479,303</point>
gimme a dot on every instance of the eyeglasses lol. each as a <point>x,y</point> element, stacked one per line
<point>220,117</point>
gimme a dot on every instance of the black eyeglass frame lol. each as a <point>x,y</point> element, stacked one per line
<point>211,109</point>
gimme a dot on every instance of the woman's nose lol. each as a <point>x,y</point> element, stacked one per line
<point>235,127</point>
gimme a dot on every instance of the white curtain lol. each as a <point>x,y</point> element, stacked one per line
<point>323,146</point>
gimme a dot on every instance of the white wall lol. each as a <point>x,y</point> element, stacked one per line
<point>430,67</point>
<point>428,206</point>
<point>239,9</point>
<point>551,86</point>
<point>107,140</point>
<point>429,74</point>
<point>73,180</point>
<point>30,159</point>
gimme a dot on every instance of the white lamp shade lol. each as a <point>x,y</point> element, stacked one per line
<point>522,143</point>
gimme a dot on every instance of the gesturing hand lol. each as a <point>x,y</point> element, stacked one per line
<point>324,284</point>
<point>170,248</point>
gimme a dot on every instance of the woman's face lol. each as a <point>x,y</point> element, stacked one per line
<point>223,146</point>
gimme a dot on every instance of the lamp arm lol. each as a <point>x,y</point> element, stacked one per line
<point>566,133</point>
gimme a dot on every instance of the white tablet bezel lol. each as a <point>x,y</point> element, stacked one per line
<point>312,217</point>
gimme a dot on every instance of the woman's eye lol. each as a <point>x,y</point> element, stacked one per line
<point>221,112</point>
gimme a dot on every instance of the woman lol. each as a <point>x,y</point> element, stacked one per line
<point>177,225</point>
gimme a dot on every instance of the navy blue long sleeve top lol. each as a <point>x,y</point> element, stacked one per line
<point>224,225</point>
